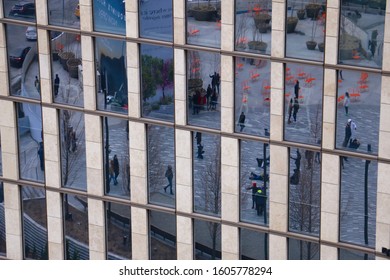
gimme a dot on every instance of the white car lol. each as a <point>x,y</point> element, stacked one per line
<point>31,33</point>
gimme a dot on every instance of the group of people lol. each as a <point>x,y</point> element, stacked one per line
<point>293,109</point>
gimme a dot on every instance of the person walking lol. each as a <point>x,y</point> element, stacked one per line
<point>296,89</point>
<point>346,102</point>
<point>217,81</point>
<point>198,137</point>
<point>36,84</point>
<point>116,169</point>
<point>260,198</point>
<point>169,176</point>
<point>56,85</point>
<point>295,109</point>
<point>254,190</point>
<point>209,92</point>
<point>111,172</point>
<point>241,121</point>
<point>290,109</point>
<point>349,128</point>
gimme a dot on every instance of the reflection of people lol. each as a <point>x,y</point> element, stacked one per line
<point>209,91</point>
<point>260,198</point>
<point>346,103</point>
<point>169,175</point>
<point>296,89</point>
<point>349,128</point>
<point>295,109</point>
<point>41,156</point>
<point>116,169</point>
<point>36,83</point>
<point>198,137</point>
<point>56,85</point>
<point>241,121</point>
<point>254,190</point>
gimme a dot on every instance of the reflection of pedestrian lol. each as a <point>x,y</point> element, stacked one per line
<point>296,89</point>
<point>290,109</point>
<point>295,109</point>
<point>241,121</point>
<point>254,190</point>
<point>260,198</point>
<point>209,91</point>
<point>214,100</point>
<point>111,171</point>
<point>349,128</point>
<point>297,160</point>
<point>198,137</point>
<point>318,154</point>
<point>346,102</point>
<point>309,157</point>
<point>41,156</point>
<point>36,84</point>
<point>116,169</point>
<point>56,85</point>
<point>169,175</point>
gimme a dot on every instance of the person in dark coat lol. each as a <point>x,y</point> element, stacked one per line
<point>296,89</point>
<point>241,121</point>
<point>56,85</point>
<point>295,109</point>
<point>41,156</point>
<point>198,137</point>
<point>348,133</point>
<point>260,199</point>
<point>169,176</point>
<point>254,190</point>
<point>116,169</point>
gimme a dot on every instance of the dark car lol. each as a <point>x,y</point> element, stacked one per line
<point>25,9</point>
<point>17,56</point>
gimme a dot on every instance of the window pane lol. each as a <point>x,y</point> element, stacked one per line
<point>303,103</point>
<point>358,201</point>
<point>304,191</point>
<point>345,254</point>
<point>204,103</point>
<point>111,79</point>
<point>253,245</point>
<point>2,221</point>
<point>20,10</point>
<point>76,227</point>
<point>1,159</point>
<point>204,23</point>
<point>34,223</point>
<point>362,32</point>
<point>116,156</point>
<point>118,228</point>
<point>359,95</point>
<point>109,16</point>
<point>253,26</point>
<point>305,29</point>
<point>207,173</point>
<point>254,206</point>
<point>30,142</point>
<point>157,82</point>
<point>73,160</point>
<point>303,250</point>
<point>162,233</point>
<point>207,240</point>
<point>155,17</point>
<point>64,13</point>
<point>161,165</point>
<point>23,61</point>
<point>252,96</point>
<point>66,68</point>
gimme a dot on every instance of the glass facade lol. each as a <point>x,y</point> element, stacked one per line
<point>64,13</point>
<point>162,234</point>
<point>109,16</point>
<point>156,19</point>
<point>207,240</point>
<point>19,10</point>
<point>249,238</point>
<point>303,250</point>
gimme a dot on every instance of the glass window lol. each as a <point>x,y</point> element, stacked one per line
<point>345,254</point>
<point>358,111</point>
<point>20,10</point>
<point>203,89</point>
<point>157,82</point>
<point>162,233</point>
<point>358,201</point>
<point>66,68</point>
<point>253,26</point>
<point>207,173</point>
<point>161,165</point>
<point>23,64</point>
<point>1,159</point>
<point>207,240</point>
<point>303,250</point>
<point>303,103</point>
<point>253,245</point>
<point>305,29</point>
<point>30,142</point>
<point>252,96</point>
<point>204,23</point>
<point>254,178</point>
<point>64,13</point>
<point>111,77</point>
<point>72,140</point>
<point>156,19</point>
<point>116,156</point>
<point>34,223</point>
<point>362,32</point>
<point>3,249</point>
<point>118,231</point>
<point>109,16</point>
<point>76,227</point>
<point>304,191</point>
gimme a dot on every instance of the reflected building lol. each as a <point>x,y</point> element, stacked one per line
<point>199,130</point>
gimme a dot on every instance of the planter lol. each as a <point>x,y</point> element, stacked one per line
<point>311,45</point>
<point>321,47</point>
<point>312,10</point>
<point>194,83</point>
<point>64,56</point>
<point>206,13</point>
<point>263,28</point>
<point>261,19</point>
<point>301,14</point>
<point>258,46</point>
<point>348,44</point>
<point>73,67</point>
<point>291,24</point>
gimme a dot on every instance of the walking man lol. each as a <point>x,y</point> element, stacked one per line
<point>56,85</point>
<point>295,109</point>
<point>169,176</point>
<point>241,121</point>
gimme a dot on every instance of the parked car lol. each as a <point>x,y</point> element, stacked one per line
<point>23,8</point>
<point>31,33</point>
<point>17,56</point>
<point>77,11</point>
